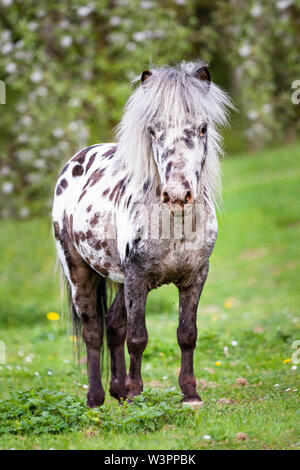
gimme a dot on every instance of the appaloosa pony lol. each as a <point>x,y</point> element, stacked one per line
<point>122,211</point>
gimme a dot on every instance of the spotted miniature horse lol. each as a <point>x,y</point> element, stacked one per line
<point>165,162</point>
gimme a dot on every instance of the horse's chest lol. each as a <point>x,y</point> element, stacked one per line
<point>173,261</point>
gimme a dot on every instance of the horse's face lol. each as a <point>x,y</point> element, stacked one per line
<point>179,153</point>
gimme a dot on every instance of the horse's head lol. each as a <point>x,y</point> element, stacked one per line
<point>179,144</point>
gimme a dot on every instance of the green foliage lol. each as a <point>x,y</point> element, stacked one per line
<point>40,411</point>
<point>66,66</point>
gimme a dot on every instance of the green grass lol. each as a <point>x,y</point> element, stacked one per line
<point>251,297</point>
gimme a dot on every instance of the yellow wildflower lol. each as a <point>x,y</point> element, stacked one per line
<point>218,363</point>
<point>287,360</point>
<point>53,316</point>
<point>229,303</point>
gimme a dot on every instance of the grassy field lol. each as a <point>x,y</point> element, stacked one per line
<point>248,320</point>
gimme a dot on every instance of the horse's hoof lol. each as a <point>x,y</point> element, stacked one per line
<point>95,399</point>
<point>193,403</point>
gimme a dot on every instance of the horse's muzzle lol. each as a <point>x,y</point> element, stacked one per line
<point>177,202</point>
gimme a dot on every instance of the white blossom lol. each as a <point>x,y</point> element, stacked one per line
<point>25,155</point>
<point>84,11</point>
<point>58,132</point>
<point>140,36</point>
<point>26,120</point>
<point>5,35</point>
<point>75,102</point>
<point>244,50</point>
<point>36,76</point>
<point>146,5</point>
<point>283,4</point>
<point>7,187</point>
<point>6,3</point>
<point>66,41</point>
<point>256,10</point>
<point>24,212</point>
<point>5,170</point>
<point>130,46</point>
<point>39,163</point>
<point>252,115</point>
<point>32,25</point>
<point>41,91</point>
<point>7,48</point>
<point>21,107</point>
<point>11,67</point>
<point>22,138</point>
<point>267,108</point>
<point>115,20</point>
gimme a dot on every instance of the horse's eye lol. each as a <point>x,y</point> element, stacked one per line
<point>203,129</point>
<point>151,131</point>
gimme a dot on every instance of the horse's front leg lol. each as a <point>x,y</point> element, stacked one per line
<point>136,291</point>
<point>187,335</point>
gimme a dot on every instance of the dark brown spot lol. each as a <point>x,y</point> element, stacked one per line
<point>100,270</point>
<point>56,230</point>
<point>146,186</point>
<point>64,183</point>
<point>89,208</point>
<point>110,153</point>
<point>95,177</point>
<point>80,156</point>
<point>77,170</point>
<point>128,202</point>
<point>167,153</point>
<point>105,192</point>
<point>116,188</point>
<point>185,182</point>
<point>59,190</point>
<point>95,218</point>
<point>168,169</point>
<point>81,195</point>
<point>90,162</point>
<point>82,236</point>
<point>98,245</point>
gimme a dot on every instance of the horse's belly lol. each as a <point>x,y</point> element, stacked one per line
<point>95,240</point>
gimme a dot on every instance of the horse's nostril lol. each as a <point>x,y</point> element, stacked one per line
<point>165,197</point>
<point>188,198</point>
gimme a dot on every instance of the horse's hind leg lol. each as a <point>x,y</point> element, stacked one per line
<point>116,324</point>
<point>84,284</point>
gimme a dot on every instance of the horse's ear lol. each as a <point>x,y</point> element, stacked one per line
<point>203,74</point>
<point>145,75</point>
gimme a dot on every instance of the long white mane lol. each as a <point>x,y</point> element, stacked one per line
<point>172,95</point>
